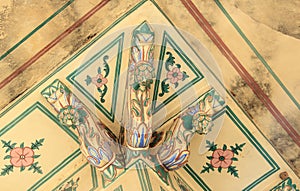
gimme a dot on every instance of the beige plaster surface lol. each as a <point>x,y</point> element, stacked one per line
<point>272,26</point>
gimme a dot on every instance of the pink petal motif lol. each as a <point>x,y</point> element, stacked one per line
<point>217,153</point>
<point>95,80</point>
<point>170,75</point>
<point>104,81</point>
<point>216,163</point>
<point>27,161</point>
<point>179,76</point>
<point>99,76</point>
<point>228,154</point>
<point>21,157</point>
<point>16,152</point>
<point>28,152</point>
<point>226,163</point>
<point>16,161</point>
<point>176,70</point>
<point>173,80</point>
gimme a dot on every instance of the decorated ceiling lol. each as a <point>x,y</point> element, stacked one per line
<point>147,95</point>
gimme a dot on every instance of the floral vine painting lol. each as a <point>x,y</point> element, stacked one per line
<point>174,75</point>
<point>21,157</point>
<point>223,158</point>
<point>100,80</point>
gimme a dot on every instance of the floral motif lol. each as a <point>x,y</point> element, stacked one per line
<point>174,75</point>
<point>198,117</point>
<point>21,157</point>
<point>202,118</point>
<point>68,116</point>
<point>222,158</point>
<point>143,72</point>
<point>100,80</point>
<point>90,129</point>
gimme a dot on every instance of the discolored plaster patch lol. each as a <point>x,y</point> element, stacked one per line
<point>287,148</point>
<point>66,47</point>
<point>244,95</point>
<point>282,16</point>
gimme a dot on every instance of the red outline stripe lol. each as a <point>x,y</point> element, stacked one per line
<point>52,43</point>
<point>241,70</point>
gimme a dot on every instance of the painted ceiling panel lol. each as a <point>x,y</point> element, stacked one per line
<point>45,154</point>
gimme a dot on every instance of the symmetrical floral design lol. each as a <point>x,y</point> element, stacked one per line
<point>21,157</point>
<point>143,72</point>
<point>196,119</point>
<point>100,80</point>
<point>222,158</point>
<point>69,116</point>
<point>69,186</point>
<point>140,77</point>
<point>98,142</point>
<point>174,75</point>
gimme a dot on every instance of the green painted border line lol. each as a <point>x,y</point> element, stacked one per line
<point>197,179</point>
<point>216,77</point>
<point>71,77</point>
<point>198,75</point>
<point>72,58</point>
<point>94,178</point>
<point>36,29</point>
<point>140,176</point>
<point>147,177</point>
<point>54,118</point>
<point>258,147</point>
<point>56,170</point>
<point>46,112</point>
<point>87,46</point>
<point>68,178</point>
<point>246,114</point>
<point>258,55</point>
<point>254,142</point>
